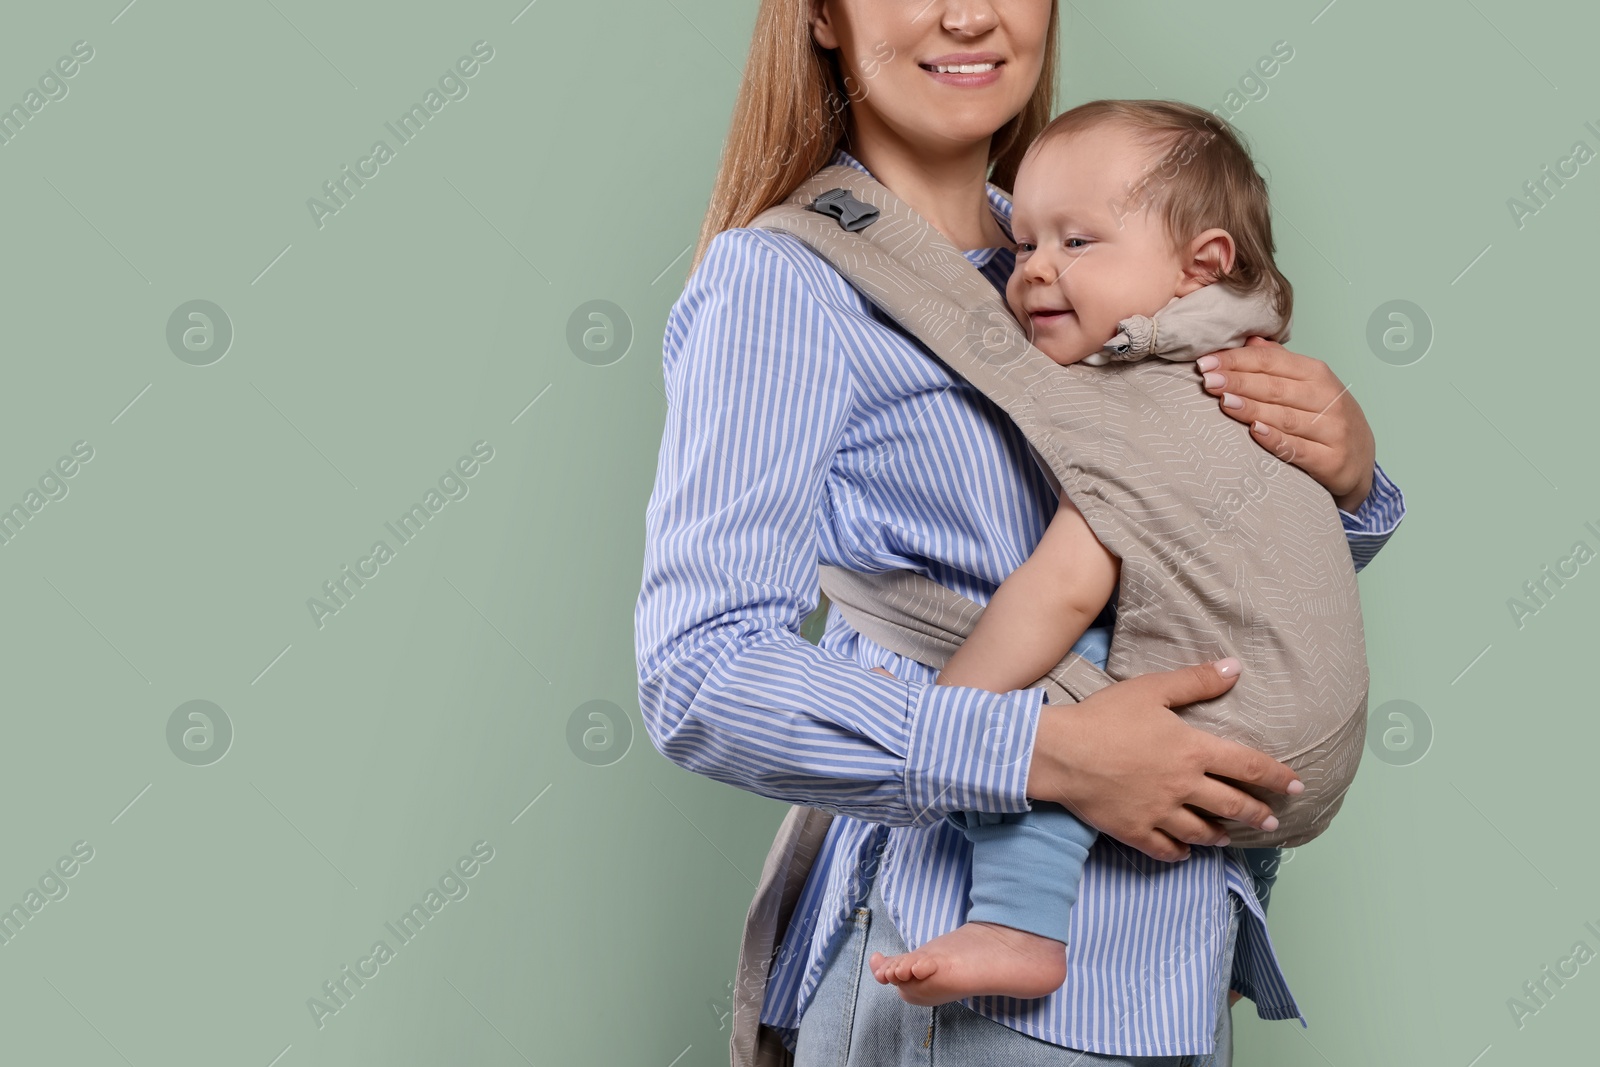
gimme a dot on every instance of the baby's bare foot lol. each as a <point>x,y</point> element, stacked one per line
<point>975,959</point>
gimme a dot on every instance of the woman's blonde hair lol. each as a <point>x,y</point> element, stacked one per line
<point>792,111</point>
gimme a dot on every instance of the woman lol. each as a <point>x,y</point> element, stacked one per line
<point>805,427</point>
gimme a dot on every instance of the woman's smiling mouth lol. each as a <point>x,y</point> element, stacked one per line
<point>964,68</point>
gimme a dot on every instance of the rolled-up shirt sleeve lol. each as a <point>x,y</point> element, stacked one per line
<point>759,398</point>
<point>1370,526</point>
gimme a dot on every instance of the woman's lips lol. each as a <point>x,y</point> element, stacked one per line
<point>970,74</point>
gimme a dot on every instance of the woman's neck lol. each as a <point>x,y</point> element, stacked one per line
<point>946,188</point>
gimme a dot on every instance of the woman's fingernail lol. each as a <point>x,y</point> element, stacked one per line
<point>1231,401</point>
<point>1227,667</point>
<point>1223,843</point>
<point>1296,787</point>
<point>1259,427</point>
<point>1214,381</point>
<point>1206,363</point>
<point>1270,823</point>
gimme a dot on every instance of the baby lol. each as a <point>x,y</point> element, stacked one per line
<point>1120,209</point>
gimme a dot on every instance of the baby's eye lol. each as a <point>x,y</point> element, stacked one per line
<point>1075,242</point>
<point>1024,246</point>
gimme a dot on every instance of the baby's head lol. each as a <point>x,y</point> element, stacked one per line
<point>1121,205</point>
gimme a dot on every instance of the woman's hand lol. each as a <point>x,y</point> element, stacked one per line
<point>1125,764</point>
<point>1299,411</point>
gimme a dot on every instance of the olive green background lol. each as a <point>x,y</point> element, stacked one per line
<point>447,702</point>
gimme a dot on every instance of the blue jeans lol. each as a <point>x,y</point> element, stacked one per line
<point>853,1021</point>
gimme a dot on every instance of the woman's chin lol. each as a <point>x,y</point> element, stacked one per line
<point>966,122</point>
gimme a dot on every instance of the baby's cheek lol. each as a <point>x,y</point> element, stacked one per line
<point>1012,295</point>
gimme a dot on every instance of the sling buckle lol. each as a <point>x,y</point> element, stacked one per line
<point>852,214</point>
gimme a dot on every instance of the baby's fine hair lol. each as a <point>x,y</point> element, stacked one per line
<point>1201,177</point>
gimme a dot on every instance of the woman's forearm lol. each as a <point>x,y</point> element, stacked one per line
<point>760,708</point>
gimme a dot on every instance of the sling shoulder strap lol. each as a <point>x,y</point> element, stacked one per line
<point>911,271</point>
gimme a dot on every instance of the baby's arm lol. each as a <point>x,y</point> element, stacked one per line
<point>1039,611</point>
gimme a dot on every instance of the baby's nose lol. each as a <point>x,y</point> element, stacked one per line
<point>1041,270</point>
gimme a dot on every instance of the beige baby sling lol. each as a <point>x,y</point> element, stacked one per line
<point>1226,550</point>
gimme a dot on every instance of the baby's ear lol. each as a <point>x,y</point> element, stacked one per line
<point>1209,256</point>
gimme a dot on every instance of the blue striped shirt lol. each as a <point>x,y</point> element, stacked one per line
<point>804,427</point>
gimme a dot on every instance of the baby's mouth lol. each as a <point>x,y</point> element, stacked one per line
<point>1049,316</point>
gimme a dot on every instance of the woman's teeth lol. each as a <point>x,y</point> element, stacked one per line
<point>961,68</point>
